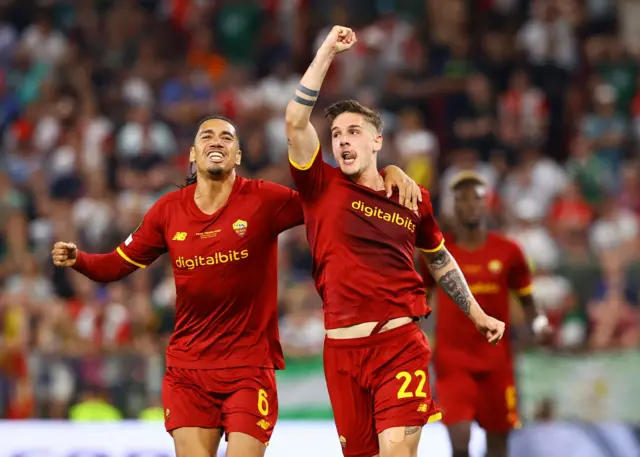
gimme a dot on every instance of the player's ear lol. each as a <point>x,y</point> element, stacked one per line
<point>238,157</point>
<point>192,154</point>
<point>377,143</point>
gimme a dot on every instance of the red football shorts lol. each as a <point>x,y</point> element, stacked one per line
<point>489,398</point>
<point>376,383</point>
<point>235,399</point>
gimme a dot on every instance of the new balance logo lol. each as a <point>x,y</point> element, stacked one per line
<point>180,236</point>
<point>263,424</point>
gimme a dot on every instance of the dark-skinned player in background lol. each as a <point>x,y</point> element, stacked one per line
<point>376,359</point>
<point>221,233</point>
<point>475,381</point>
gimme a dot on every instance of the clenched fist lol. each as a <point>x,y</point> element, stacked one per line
<point>491,328</point>
<point>64,254</point>
<point>340,39</point>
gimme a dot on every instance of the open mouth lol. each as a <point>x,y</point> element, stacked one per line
<point>348,157</point>
<point>216,155</point>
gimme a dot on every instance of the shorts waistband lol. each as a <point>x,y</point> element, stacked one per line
<point>372,340</point>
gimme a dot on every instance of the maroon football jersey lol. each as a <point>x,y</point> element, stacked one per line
<point>362,245</point>
<point>226,272</point>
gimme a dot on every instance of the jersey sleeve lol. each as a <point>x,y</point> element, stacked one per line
<point>310,178</point>
<point>147,242</point>
<point>284,204</point>
<point>428,237</point>
<point>520,279</point>
<point>103,268</point>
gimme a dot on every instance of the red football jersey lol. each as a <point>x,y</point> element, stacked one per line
<point>225,268</point>
<point>493,272</point>
<point>362,245</point>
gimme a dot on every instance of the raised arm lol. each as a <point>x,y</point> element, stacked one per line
<point>302,136</point>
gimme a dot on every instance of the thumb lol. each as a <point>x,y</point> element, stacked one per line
<point>71,246</point>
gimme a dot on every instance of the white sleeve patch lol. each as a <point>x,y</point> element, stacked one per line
<point>128,241</point>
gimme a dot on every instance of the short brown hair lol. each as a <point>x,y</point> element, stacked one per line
<point>354,106</point>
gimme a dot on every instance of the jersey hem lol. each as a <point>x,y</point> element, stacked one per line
<point>174,363</point>
<point>332,324</point>
<point>376,339</point>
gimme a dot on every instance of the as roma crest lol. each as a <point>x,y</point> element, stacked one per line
<point>240,227</point>
<point>495,266</point>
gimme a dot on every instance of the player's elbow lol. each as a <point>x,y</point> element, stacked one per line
<point>296,118</point>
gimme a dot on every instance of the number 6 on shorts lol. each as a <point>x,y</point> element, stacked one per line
<point>263,402</point>
<point>406,377</point>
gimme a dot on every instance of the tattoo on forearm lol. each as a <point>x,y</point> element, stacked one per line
<point>454,285</point>
<point>313,62</point>
<point>411,430</point>
<point>303,101</point>
<point>440,260</point>
<point>305,90</point>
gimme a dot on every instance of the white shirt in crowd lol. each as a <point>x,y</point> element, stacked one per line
<point>549,42</point>
<point>420,142</point>
<point>612,233</point>
<point>50,48</point>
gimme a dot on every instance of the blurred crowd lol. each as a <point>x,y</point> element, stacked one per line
<point>99,102</point>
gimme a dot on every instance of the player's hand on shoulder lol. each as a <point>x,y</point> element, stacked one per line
<point>491,328</point>
<point>410,194</point>
<point>64,254</point>
<point>340,39</point>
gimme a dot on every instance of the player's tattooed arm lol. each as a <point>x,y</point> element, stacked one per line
<point>445,270</point>
<point>302,136</point>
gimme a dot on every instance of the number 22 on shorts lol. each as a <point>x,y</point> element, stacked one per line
<point>406,379</point>
<point>263,402</point>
